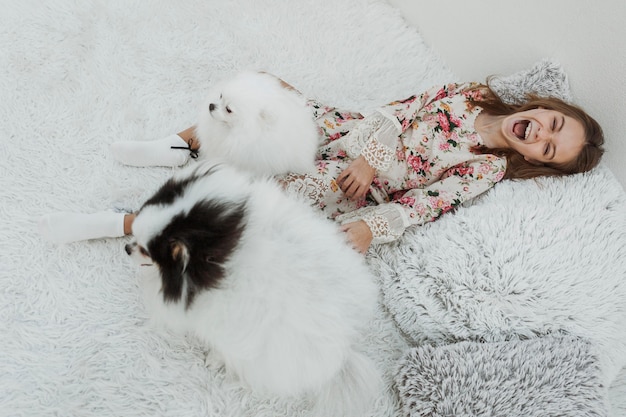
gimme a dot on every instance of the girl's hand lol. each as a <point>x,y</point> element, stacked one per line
<point>355,180</point>
<point>359,235</point>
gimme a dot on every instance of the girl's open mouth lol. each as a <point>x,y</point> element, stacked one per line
<point>522,129</point>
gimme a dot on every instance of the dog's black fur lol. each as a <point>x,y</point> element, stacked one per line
<point>175,187</point>
<point>192,249</point>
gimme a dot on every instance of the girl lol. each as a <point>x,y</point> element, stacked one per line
<point>406,164</point>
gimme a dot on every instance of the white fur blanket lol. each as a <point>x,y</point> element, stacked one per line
<point>76,76</point>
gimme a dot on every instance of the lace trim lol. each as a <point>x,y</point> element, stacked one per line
<point>381,230</point>
<point>387,221</point>
<point>377,155</point>
<point>358,136</point>
<point>304,186</point>
<point>392,120</point>
<point>374,138</point>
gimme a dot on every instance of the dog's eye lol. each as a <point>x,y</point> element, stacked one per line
<point>143,251</point>
<point>228,110</point>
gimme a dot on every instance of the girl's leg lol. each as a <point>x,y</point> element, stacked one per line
<point>172,151</point>
<point>128,223</point>
<point>66,227</point>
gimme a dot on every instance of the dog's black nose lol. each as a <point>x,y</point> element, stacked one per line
<point>211,107</point>
<point>128,248</point>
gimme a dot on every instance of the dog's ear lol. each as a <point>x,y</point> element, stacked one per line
<point>179,252</point>
<point>172,256</point>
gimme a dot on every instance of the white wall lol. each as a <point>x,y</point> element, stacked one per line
<point>588,38</point>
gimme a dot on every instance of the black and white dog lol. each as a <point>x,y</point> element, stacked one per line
<point>264,280</point>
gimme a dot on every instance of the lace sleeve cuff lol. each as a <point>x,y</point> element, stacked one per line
<point>375,139</point>
<point>387,222</point>
<point>377,155</point>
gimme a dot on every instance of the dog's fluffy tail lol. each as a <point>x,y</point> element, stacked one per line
<point>352,391</point>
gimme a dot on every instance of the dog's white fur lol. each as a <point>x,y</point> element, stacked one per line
<point>288,315</point>
<point>255,123</point>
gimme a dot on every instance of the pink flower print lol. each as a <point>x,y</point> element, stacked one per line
<point>468,171</point>
<point>454,119</point>
<point>412,183</point>
<point>410,100</point>
<point>341,154</point>
<point>444,146</point>
<point>405,124</point>
<point>322,167</point>
<point>418,164</point>
<point>420,209</point>
<point>463,171</point>
<point>430,120</point>
<point>361,203</point>
<point>407,100</point>
<point>400,155</point>
<point>484,168</point>
<point>416,182</point>
<point>334,136</point>
<point>436,202</point>
<point>443,122</point>
<point>499,176</point>
<point>440,94</point>
<point>439,203</point>
<point>451,86</point>
<point>475,94</point>
<point>409,201</point>
<point>473,138</point>
<point>414,162</point>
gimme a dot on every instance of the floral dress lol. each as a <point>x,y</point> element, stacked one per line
<point>423,149</point>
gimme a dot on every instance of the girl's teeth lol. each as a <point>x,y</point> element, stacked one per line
<point>527,131</point>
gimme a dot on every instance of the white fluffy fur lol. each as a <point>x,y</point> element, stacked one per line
<point>287,316</point>
<point>254,123</point>
<point>79,75</point>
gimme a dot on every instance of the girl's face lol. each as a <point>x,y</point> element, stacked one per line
<point>544,136</point>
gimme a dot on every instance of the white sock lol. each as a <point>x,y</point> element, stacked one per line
<point>66,227</point>
<point>152,153</point>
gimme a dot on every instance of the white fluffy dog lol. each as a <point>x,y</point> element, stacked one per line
<point>255,123</point>
<point>265,281</point>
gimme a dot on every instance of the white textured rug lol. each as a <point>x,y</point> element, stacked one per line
<point>78,75</point>
<point>526,260</point>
